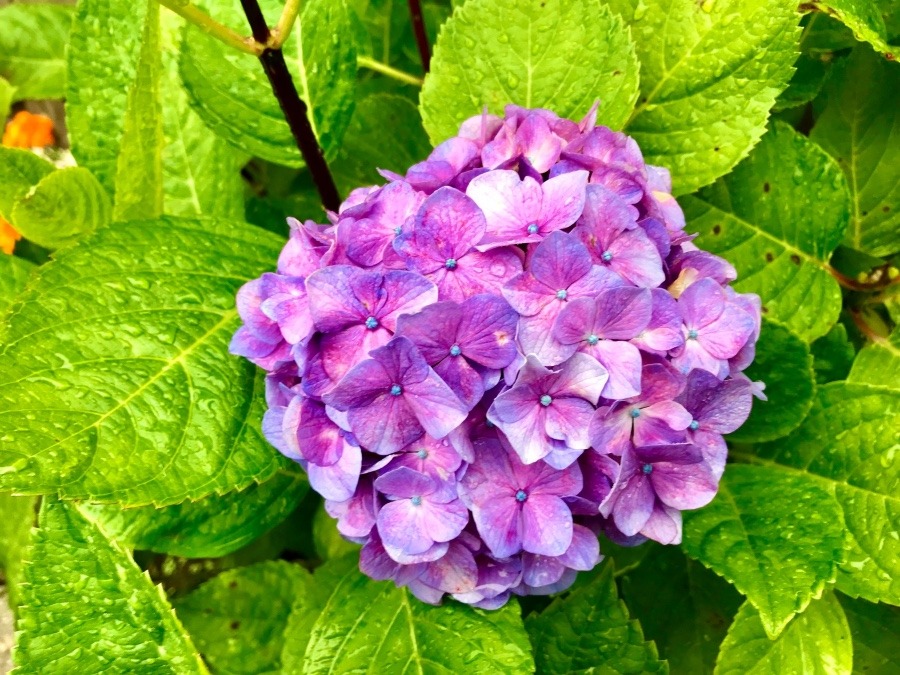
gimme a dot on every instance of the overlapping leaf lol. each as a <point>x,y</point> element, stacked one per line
<point>876,632</point>
<point>20,170</point>
<point>556,54</point>
<point>117,384</point>
<point>33,41</point>
<point>879,363</point>
<point>778,217</point>
<point>863,17</point>
<point>17,517</point>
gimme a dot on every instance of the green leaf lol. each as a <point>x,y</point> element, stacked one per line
<point>20,170</point>
<point>784,363</point>
<point>17,516</point>
<point>809,77</point>
<point>347,622</point>
<point>588,631</point>
<point>14,273</point>
<point>231,93</point>
<point>876,633</point>
<point>33,41</point>
<point>7,93</point>
<point>556,54</point>
<point>367,148</point>
<point>682,606</point>
<point>861,16</point>
<point>87,608</point>
<point>111,108</point>
<point>238,618</point>
<point>210,528</point>
<point>879,363</point>
<point>773,534</point>
<point>832,355</point>
<point>823,36</point>
<point>777,217</point>
<point>132,396</point>
<point>817,642</point>
<point>848,446</point>
<point>860,128</point>
<point>710,73</point>
<point>65,205</point>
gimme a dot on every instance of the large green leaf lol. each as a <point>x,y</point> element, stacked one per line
<point>348,623</point>
<point>65,205</point>
<point>784,363</point>
<point>848,446</point>
<point>231,93</point>
<point>33,41</point>
<point>367,148</point>
<point>87,608</point>
<point>17,516</point>
<point>860,128</point>
<point>861,16</point>
<point>775,535</point>
<point>777,217</point>
<point>20,170</point>
<point>237,619</point>
<point>212,527</point>
<point>876,633</point>
<point>7,92</point>
<point>117,383</point>
<point>879,363</point>
<point>556,54</point>
<point>816,642</point>
<point>682,606</point>
<point>14,272</point>
<point>589,630</point>
<point>710,73</point>
<point>112,111</point>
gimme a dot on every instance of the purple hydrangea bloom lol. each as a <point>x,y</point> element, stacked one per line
<point>491,359</point>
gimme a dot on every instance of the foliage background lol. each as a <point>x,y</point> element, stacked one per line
<point>171,538</point>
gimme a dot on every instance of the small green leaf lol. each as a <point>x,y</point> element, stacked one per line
<point>348,623</point>
<point>589,630</point>
<point>367,147</point>
<point>861,16</point>
<point>33,41</point>
<point>817,642</point>
<point>238,618</point>
<point>556,54</point>
<point>777,217</point>
<point>876,633</point>
<point>14,273</point>
<point>20,170</point>
<point>65,205</point>
<point>210,528</point>
<point>879,363</point>
<point>832,355</point>
<point>117,384</point>
<point>87,608</point>
<point>848,445</point>
<point>784,363</point>
<point>17,517</point>
<point>682,606</point>
<point>230,91</point>
<point>775,535</point>
<point>710,73</point>
<point>860,128</point>
<point>7,94</point>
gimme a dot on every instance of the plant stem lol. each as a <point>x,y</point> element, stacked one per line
<point>285,24</point>
<point>418,22</point>
<point>293,107</point>
<point>384,69</point>
<point>210,26</point>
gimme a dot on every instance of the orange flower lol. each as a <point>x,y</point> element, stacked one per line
<point>27,130</point>
<point>8,237</point>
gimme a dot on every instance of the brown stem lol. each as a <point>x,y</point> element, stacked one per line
<point>418,23</point>
<point>882,281</point>
<point>293,107</point>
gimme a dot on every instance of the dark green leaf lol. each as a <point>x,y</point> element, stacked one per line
<point>33,41</point>
<point>861,16</point>
<point>588,630</point>
<point>807,81</point>
<point>876,633</point>
<point>132,396</point>
<point>832,355</point>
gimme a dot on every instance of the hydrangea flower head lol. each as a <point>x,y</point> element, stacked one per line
<point>488,361</point>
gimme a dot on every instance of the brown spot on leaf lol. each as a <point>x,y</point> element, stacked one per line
<point>795,258</point>
<point>764,309</point>
<point>717,228</point>
<point>233,584</point>
<point>885,208</point>
<point>766,186</point>
<point>235,625</point>
<point>769,256</point>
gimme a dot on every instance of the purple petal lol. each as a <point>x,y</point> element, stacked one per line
<point>541,570</point>
<point>583,553</point>
<point>487,331</point>
<point>580,376</point>
<point>462,379</point>
<point>568,420</point>
<point>433,330</point>
<point>546,525</point>
<point>318,439</point>
<point>332,302</point>
<point>509,205</point>
<point>456,572</point>
<point>448,224</point>
<point>610,430</point>
<point>664,329</point>
<point>622,313</point>
<point>490,478</point>
<point>386,425</point>
<point>724,337</point>
<point>701,303</point>
<point>536,338</point>
<point>684,486</point>
<point>563,201</point>
<point>365,383</point>
<point>635,258</point>
<point>477,273</point>
<point>526,435</point>
<point>663,525</point>
<point>402,525</point>
<point>631,500</point>
<point>538,143</point>
<point>623,363</point>
<point>403,483</point>
<point>407,293</point>
<point>337,482</point>
<point>560,260</point>
<point>527,295</point>
<point>356,516</point>
<point>437,408</point>
<point>499,524</point>
<point>659,423</point>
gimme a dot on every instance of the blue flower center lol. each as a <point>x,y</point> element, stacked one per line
<point>592,339</point>
<point>371,323</point>
<point>562,293</point>
<point>635,413</point>
<point>546,400</point>
<point>422,454</point>
<point>694,425</point>
<point>416,501</point>
<point>692,334</point>
<point>455,350</point>
<point>647,468</point>
<point>450,264</point>
<point>398,230</point>
<point>607,256</point>
<point>396,390</point>
<point>521,496</point>
<point>533,228</point>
